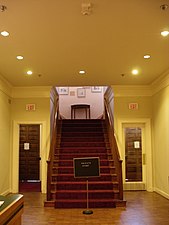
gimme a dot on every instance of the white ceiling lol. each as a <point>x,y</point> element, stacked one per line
<point>57,41</point>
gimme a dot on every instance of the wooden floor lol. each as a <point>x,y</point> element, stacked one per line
<point>143,208</point>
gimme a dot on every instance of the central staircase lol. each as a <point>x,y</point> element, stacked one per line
<point>80,139</point>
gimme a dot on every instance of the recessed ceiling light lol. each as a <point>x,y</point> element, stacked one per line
<point>82,72</point>
<point>134,72</point>
<point>5,33</point>
<point>19,57</point>
<point>147,56</point>
<point>165,33</point>
<point>29,72</point>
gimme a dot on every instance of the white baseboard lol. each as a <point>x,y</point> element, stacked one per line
<point>134,186</point>
<point>164,194</point>
<point>5,192</point>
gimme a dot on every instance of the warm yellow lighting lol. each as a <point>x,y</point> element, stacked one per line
<point>29,72</point>
<point>134,72</point>
<point>19,57</point>
<point>165,33</point>
<point>5,33</point>
<point>82,72</point>
<point>147,56</point>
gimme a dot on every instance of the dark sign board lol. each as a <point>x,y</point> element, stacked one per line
<point>86,167</point>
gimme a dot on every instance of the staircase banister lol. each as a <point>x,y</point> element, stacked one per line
<point>111,127</point>
<point>55,123</point>
<point>114,147</point>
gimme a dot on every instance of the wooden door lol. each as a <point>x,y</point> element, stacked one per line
<point>29,152</point>
<point>133,154</point>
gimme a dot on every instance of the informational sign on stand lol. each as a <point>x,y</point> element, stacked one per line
<point>86,167</point>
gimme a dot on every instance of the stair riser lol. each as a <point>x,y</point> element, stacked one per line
<point>84,195</point>
<point>71,178</point>
<point>80,186</point>
<point>71,157</point>
<point>82,134</point>
<point>77,150</point>
<point>84,205</point>
<point>82,129</point>
<point>71,170</point>
<point>82,139</point>
<point>70,163</point>
<point>83,144</point>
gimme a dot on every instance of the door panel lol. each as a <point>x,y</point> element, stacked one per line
<point>29,154</point>
<point>133,154</point>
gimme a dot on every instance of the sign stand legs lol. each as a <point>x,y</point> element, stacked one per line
<point>87,211</point>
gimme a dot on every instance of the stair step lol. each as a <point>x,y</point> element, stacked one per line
<point>82,203</point>
<point>82,194</point>
<point>70,169</point>
<point>82,134</point>
<point>83,144</point>
<point>82,155</point>
<point>82,139</point>
<point>65,163</point>
<point>70,177</point>
<point>83,150</point>
<point>82,129</point>
<point>81,185</point>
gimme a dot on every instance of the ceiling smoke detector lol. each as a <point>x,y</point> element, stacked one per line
<point>86,9</point>
<point>164,7</point>
<point>3,8</point>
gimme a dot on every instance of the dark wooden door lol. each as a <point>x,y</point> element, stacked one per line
<point>29,152</point>
<point>133,154</point>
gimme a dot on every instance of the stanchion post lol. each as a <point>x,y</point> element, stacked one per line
<point>87,211</point>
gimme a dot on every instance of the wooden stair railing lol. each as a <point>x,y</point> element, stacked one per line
<point>55,122</point>
<point>113,146</point>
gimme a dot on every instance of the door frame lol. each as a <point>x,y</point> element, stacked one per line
<point>147,149</point>
<point>15,154</point>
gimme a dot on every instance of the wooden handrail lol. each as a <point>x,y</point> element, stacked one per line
<point>55,123</point>
<point>113,145</point>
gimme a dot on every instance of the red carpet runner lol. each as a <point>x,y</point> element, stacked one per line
<point>83,138</point>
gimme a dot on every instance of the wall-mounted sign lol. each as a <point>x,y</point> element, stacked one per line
<point>133,106</point>
<point>136,144</point>
<point>30,107</point>
<point>26,146</point>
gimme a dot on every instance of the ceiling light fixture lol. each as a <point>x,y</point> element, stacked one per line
<point>165,33</point>
<point>82,72</point>
<point>147,56</point>
<point>5,33</point>
<point>135,72</point>
<point>29,72</point>
<point>19,57</point>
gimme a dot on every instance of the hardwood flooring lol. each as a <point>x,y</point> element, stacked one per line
<point>143,208</point>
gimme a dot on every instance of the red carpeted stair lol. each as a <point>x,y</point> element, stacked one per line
<point>83,138</point>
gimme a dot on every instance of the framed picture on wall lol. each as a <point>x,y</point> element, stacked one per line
<point>96,89</point>
<point>81,92</point>
<point>63,90</point>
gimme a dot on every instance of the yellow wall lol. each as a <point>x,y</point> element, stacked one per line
<point>161,141</point>
<point>4,142</point>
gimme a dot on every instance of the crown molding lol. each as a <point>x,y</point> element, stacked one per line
<point>160,83</point>
<point>5,86</point>
<point>131,90</point>
<point>31,92</point>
